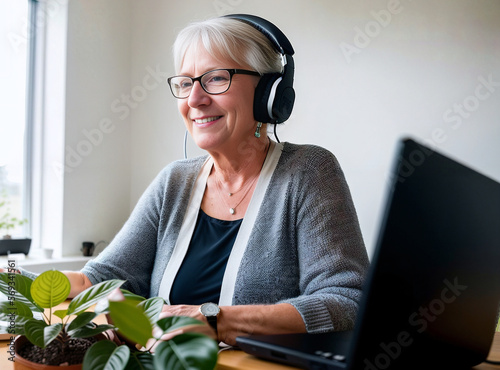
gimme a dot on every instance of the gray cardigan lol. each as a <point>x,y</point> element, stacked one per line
<point>305,249</point>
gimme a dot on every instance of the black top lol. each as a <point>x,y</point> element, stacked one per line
<point>200,276</point>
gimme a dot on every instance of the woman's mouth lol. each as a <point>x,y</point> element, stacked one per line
<point>205,120</point>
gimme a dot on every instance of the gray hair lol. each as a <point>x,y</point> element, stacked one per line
<point>229,39</point>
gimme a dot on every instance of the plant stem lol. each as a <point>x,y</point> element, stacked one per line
<point>47,319</point>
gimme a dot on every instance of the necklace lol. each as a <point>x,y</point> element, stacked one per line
<point>232,210</point>
<point>229,193</point>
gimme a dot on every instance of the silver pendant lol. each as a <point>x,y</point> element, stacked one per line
<point>232,211</point>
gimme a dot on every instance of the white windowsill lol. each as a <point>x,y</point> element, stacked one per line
<point>39,265</point>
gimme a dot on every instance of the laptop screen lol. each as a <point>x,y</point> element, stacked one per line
<point>434,286</point>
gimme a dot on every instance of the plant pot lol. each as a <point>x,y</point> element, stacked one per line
<point>20,363</point>
<point>14,246</point>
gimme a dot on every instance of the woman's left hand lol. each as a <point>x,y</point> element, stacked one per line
<point>190,311</point>
<point>181,310</point>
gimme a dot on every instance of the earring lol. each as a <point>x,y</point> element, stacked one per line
<point>257,130</point>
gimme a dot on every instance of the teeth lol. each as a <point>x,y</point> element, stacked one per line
<point>205,120</point>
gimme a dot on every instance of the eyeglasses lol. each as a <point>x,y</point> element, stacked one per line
<point>213,82</point>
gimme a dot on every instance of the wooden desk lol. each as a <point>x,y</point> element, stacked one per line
<point>234,359</point>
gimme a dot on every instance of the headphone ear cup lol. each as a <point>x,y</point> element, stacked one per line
<point>274,95</point>
<point>283,104</point>
<point>262,96</point>
<point>284,96</point>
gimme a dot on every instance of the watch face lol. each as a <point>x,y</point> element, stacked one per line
<point>209,309</point>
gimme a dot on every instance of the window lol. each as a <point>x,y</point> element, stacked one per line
<point>14,66</point>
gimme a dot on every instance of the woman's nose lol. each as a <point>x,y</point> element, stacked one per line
<point>198,96</point>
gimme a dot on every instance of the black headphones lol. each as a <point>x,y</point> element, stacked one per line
<point>274,95</point>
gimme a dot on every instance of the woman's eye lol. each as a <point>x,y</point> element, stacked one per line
<point>217,79</point>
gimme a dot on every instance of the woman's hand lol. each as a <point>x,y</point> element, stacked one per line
<point>79,282</point>
<point>10,270</point>
<point>234,321</point>
<point>168,311</point>
<point>181,310</point>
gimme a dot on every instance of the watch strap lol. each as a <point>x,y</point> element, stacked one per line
<point>212,321</point>
<point>211,314</point>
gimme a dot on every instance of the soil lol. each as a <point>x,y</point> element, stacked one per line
<point>53,354</point>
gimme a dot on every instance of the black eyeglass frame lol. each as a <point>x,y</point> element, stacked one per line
<point>232,71</point>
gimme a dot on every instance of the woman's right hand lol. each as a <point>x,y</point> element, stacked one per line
<point>79,282</point>
<point>10,270</point>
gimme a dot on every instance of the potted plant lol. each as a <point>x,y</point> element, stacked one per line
<point>7,223</point>
<point>133,318</point>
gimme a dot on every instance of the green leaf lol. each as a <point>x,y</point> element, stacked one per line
<point>16,309</point>
<point>105,355</point>
<point>172,323</point>
<point>92,295</point>
<point>131,321</point>
<point>140,361</point>
<point>152,308</point>
<point>18,287</point>
<point>50,288</point>
<point>81,320</point>
<point>187,351</point>
<point>41,334</point>
<point>89,330</point>
<point>129,296</point>
<point>103,305</point>
<point>61,313</point>
<point>9,326</point>
<point>13,315</point>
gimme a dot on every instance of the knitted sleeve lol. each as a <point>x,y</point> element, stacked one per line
<point>330,251</point>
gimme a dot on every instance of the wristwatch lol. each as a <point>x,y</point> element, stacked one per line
<point>210,311</point>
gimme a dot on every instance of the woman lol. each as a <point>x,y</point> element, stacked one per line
<point>266,230</point>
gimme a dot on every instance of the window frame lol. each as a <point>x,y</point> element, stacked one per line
<point>32,40</point>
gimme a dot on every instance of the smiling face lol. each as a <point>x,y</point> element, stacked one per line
<point>217,122</point>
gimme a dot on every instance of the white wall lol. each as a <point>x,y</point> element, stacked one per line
<point>421,61</point>
<point>96,170</point>
<point>416,74</point>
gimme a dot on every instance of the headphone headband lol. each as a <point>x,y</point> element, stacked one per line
<point>273,33</point>
<point>274,95</point>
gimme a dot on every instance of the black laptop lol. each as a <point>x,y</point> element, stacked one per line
<point>432,293</point>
